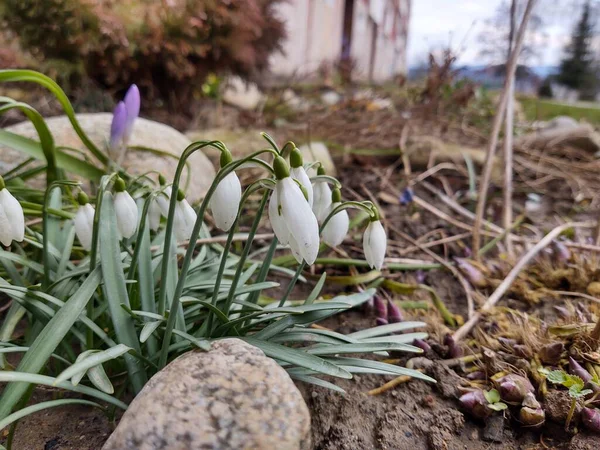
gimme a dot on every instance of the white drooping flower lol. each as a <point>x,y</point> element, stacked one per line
<point>321,197</point>
<point>126,211</point>
<point>163,199</point>
<point>84,221</point>
<point>154,213</point>
<point>336,229</point>
<point>225,201</point>
<point>184,218</point>
<point>374,243</point>
<point>297,171</point>
<point>12,220</point>
<point>291,216</point>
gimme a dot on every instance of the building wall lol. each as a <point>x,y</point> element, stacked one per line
<point>315,29</point>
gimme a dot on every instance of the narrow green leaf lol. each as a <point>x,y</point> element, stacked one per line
<point>98,377</point>
<point>148,329</point>
<point>316,290</point>
<point>92,360</point>
<point>318,382</point>
<point>387,329</point>
<point>378,367</point>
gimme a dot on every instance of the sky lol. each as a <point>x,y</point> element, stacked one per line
<point>437,23</point>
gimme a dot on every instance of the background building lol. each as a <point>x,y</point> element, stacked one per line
<point>368,35</point>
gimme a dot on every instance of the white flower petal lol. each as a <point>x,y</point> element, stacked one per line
<point>295,249</point>
<point>154,214</point>
<point>299,218</point>
<point>277,223</point>
<point>225,202</point>
<point>127,214</point>
<point>14,213</point>
<point>5,228</point>
<point>163,200</point>
<point>374,244</point>
<point>300,174</point>
<point>321,200</point>
<point>184,220</point>
<point>336,229</point>
<point>84,225</point>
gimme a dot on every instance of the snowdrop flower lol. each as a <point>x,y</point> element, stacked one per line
<point>336,229</point>
<point>297,171</point>
<point>291,217</point>
<point>154,213</point>
<point>184,218</point>
<point>12,220</point>
<point>84,221</point>
<point>225,201</point>
<point>164,198</point>
<point>374,243</point>
<point>126,210</point>
<point>321,197</point>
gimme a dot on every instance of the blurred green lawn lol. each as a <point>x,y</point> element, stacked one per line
<point>544,109</point>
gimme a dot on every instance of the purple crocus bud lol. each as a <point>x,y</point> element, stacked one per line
<point>380,310</point>
<point>132,104</point>
<point>117,127</point>
<point>591,419</point>
<point>420,343</point>
<point>576,369</point>
<point>407,196</point>
<point>394,315</point>
<point>476,403</point>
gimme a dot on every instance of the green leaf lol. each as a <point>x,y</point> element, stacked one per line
<point>362,348</point>
<point>23,379</point>
<point>316,290</point>
<point>498,406</point>
<point>24,412</point>
<point>354,365</point>
<point>115,290</point>
<point>298,358</point>
<point>148,329</point>
<point>492,396</point>
<point>93,360</point>
<point>387,329</point>
<point>202,344</point>
<point>98,377</point>
<point>48,339</point>
<point>317,382</point>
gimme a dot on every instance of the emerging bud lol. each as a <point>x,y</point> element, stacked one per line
<point>117,127</point>
<point>375,243</point>
<point>472,274</point>
<point>132,104</point>
<point>420,343</point>
<point>590,417</point>
<point>380,311</point>
<point>454,348</point>
<point>551,353</point>
<point>476,404</point>
<point>561,253</point>
<point>576,369</point>
<point>531,413</point>
<point>394,315</point>
<point>513,388</point>
<point>477,375</point>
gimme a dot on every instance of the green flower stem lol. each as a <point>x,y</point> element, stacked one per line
<point>292,284</point>
<point>264,269</point>
<point>328,179</point>
<point>390,266</point>
<point>245,251</point>
<point>271,141</point>
<point>35,207</point>
<point>195,233</point>
<point>138,241</point>
<point>252,188</point>
<point>46,252</point>
<point>364,206</point>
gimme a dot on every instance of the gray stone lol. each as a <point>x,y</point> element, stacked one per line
<point>146,133</point>
<point>232,397</point>
<point>242,95</point>
<point>561,122</point>
<point>318,151</point>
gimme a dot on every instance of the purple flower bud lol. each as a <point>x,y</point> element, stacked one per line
<point>380,310</point>
<point>522,351</point>
<point>591,419</point>
<point>132,104</point>
<point>563,312</point>
<point>117,127</point>
<point>472,274</point>
<point>422,345</point>
<point>576,369</point>
<point>477,375</point>
<point>476,403</point>
<point>454,349</point>
<point>551,353</point>
<point>394,315</point>
<point>407,196</point>
<point>420,276</point>
<point>513,388</point>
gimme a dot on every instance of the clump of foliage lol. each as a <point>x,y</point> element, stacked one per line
<point>125,287</point>
<point>168,48</point>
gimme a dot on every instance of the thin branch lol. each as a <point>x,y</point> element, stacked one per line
<point>497,124</point>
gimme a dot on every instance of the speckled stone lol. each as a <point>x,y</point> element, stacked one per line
<point>230,398</point>
<point>146,133</point>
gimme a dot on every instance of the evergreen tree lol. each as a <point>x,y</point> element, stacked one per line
<point>576,68</point>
